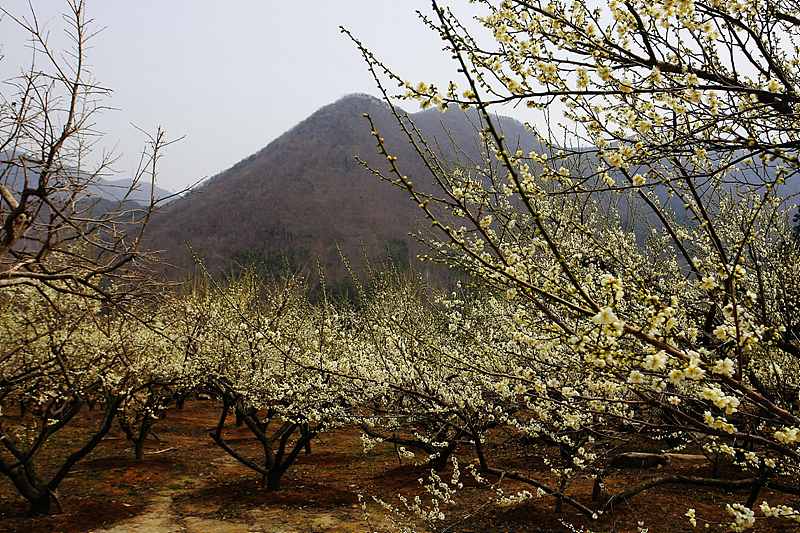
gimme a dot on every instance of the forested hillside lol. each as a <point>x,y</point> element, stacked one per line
<point>305,193</point>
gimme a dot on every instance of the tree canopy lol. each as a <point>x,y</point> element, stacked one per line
<point>649,247</point>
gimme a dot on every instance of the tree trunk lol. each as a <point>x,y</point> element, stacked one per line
<point>30,485</point>
<point>304,430</point>
<point>40,506</point>
<point>439,463</point>
<point>138,449</point>
<point>273,480</point>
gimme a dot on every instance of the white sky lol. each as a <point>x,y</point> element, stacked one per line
<point>231,75</point>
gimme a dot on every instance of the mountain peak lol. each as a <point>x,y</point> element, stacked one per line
<point>306,194</point>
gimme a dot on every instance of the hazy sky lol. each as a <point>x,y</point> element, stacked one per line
<point>228,75</point>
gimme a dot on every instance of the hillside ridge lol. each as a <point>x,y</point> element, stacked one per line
<point>305,193</point>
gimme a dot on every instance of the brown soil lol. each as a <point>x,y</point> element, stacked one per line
<point>186,483</point>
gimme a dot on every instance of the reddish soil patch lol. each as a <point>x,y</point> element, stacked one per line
<point>293,493</point>
<point>202,481</point>
<point>79,516</point>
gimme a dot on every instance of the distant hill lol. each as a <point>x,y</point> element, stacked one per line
<point>108,190</point>
<point>304,193</point>
<point>117,189</point>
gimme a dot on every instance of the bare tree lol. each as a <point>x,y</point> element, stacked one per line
<point>56,229</point>
<point>72,267</point>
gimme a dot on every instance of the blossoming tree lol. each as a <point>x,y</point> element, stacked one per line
<point>60,353</point>
<point>256,345</point>
<point>649,248</point>
<point>415,393</point>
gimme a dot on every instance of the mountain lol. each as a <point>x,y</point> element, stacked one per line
<point>93,189</point>
<point>305,193</point>
<point>117,189</point>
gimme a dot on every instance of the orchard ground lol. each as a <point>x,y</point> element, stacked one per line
<point>186,483</point>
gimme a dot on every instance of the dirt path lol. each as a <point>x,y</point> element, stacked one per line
<point>163,516</point>
<point>170,511</point>
<point>159,517</point>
